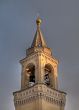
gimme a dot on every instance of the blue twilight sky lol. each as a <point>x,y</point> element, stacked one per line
<point>60,27</point>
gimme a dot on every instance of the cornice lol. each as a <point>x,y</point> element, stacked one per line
<point>39,91</point>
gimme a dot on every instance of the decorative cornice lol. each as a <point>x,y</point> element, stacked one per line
<point>34,55</point>
<point>39,91</point>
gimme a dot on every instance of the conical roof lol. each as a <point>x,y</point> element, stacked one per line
<point>38,40</point>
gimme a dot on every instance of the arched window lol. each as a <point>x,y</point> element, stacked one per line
<point>48,75</point>
<point>31,74</point>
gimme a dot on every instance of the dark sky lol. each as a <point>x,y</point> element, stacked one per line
<point>60,26</point>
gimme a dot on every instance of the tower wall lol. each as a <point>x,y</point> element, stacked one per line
<point>49,106</point>
<point>39,97</point>
<point>32,105</point>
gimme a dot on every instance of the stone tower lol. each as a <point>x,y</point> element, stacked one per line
<point>39,78</point>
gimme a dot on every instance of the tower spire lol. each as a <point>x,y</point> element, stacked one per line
<point>38,40</point>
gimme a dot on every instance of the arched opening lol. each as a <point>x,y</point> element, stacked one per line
<point>48,75</point>
<point>31,74</point>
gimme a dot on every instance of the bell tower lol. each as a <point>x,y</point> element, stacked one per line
<point>39,78</point>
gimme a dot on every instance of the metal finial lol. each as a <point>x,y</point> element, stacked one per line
<point>38,21</point>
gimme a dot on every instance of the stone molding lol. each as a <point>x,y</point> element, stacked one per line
<point>39,91</point>
<point>46,50</point>
<point>33,56</point>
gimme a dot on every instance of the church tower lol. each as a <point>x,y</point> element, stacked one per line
<point>39,78</point>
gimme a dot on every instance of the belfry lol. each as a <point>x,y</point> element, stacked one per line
<point>39,78</point>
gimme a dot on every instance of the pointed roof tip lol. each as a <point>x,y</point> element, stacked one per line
<point>38,40</point>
